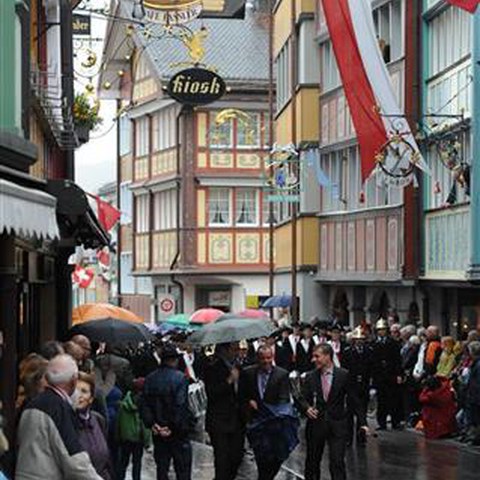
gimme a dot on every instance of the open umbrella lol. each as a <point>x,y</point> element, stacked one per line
<point>99,311</point>
<point>116,333</point>
<point>252,313</point>
<point>206,315</point>
<point>278,301</point>
<point>232,330</point>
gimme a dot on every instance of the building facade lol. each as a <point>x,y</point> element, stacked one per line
<point>448,82</point>
<point>193,178</point>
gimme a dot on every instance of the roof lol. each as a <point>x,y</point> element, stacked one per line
<point>237,48</point>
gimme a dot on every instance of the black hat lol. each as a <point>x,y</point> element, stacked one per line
<point>336,326</point>
<point>304,326</point>
<point>169,351</point>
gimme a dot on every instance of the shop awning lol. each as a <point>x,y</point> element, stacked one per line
<point>27,212</point>
<point>77,221</point>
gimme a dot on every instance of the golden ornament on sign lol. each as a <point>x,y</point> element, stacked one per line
<point>89,88</point>
<point>120,73</point>
<point>107,85</point>
<point>91,59</point>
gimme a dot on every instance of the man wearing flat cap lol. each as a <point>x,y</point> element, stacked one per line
<point>165,410</point>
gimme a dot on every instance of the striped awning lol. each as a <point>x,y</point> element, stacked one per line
<point>27,212</point>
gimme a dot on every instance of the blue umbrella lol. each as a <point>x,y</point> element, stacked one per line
<point>278,301</point>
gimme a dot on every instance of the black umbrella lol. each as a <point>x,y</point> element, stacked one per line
<point>113,332</point>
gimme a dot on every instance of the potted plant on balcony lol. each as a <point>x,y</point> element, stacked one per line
<point>85,115</point>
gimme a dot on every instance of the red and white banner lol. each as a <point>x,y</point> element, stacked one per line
<point>107,214</point>
<point>371,99</point>
<point>468,5</point>
<point>83,276</point>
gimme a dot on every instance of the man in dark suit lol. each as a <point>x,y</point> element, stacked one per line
<point>325,393</point>
<point>357,359</point>
<point>387,376</point>
<point>264,384</point>
<point>223,420</point>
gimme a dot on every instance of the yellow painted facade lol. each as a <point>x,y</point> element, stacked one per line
<point>163,249</point>
<point>141,168</point>
<point>202,129</point>
<point>307,114</point>
<point>142,251</point>
<point>282,24</point>
<point>164,162</point>
<point>201,209</point>
<point>202,248</point>
<point>283,126</point>
<point>307,243</point>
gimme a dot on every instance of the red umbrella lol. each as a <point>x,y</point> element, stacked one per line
<point>206,315</point>
<point>252,313</point>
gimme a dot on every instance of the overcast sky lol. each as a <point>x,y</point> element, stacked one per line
<point>95,162</point>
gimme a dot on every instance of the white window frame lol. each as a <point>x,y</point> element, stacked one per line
<point>214,191</point>
<point>142,213</point>
<point>256,220</point>
<point>257,119</point>
<point>142,137</point>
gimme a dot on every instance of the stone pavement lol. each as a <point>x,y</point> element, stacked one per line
<point>390,456</point>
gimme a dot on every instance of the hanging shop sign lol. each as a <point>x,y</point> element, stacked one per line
<point>166,304</point>
<point>168,12</point>
<point>81,24</point>
<point>196,86</point>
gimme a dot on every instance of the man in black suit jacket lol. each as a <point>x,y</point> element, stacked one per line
<point>325,393</point>
<point>223,420</point>
<point>264,383</point>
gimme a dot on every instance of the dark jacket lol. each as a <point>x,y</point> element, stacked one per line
<point>387,362</point>
<point>358,362</point>
<point>48,442</point>
<point>304,357</point>
<point>165,401</point>
<point>277,390</point>
<point>223,409</point>
<point>284,356</point>
<point>473,388</point>
<point>93,438</point>
<point>334,410</point>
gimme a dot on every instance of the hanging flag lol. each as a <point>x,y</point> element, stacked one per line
<point>366,80</point>
<point>108,215</point>
<point>468,5</point>
<point>103,257</point>
<point>83,276</point>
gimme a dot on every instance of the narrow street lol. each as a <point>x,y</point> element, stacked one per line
<point>391,455</point>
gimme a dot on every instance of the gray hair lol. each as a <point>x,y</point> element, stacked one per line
<point>61,370</point>
<point>421,332</point>
<point>408,330</point>
<point>474,349</point>
<point>415,340</point>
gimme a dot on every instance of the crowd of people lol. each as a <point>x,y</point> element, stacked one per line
<point>89,411</point>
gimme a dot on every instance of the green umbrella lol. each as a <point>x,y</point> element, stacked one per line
<point>232,330</point>
<point>180,319</point>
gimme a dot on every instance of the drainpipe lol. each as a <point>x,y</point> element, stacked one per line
<point>67,72</point>
<point>178,212</point>
<point>474,268</point>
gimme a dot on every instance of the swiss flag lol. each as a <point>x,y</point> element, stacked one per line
<point>108,215</point>
<point>82,276</point>
<point>103,257</point>
<point>468,5</point>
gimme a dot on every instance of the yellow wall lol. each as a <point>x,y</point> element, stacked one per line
<point>307,243</point>
<point>307,114</point>
<point>304,6</point>
<point>283,126</point>
<point>282,24</point>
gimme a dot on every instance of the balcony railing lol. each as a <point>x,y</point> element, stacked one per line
<point>47,89</point>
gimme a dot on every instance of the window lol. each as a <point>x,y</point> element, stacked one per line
<point>308,55</point>
<point>126,279</point>
<point>126,197</point>
<point>221,134</point>
<point>142,137</point>
<point>142,213</point>
<point>388,21</point>
<point>125,127</point>
<point>164,124</point>
<point>450,39</point>
<point>144,285</point>
<point>219,207</point>
<point>165,211</point>
<point>246,202</point>
<point>330,76</point>
<point>266,210</point>
<point>248,131</point>
<point>284,74</point>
